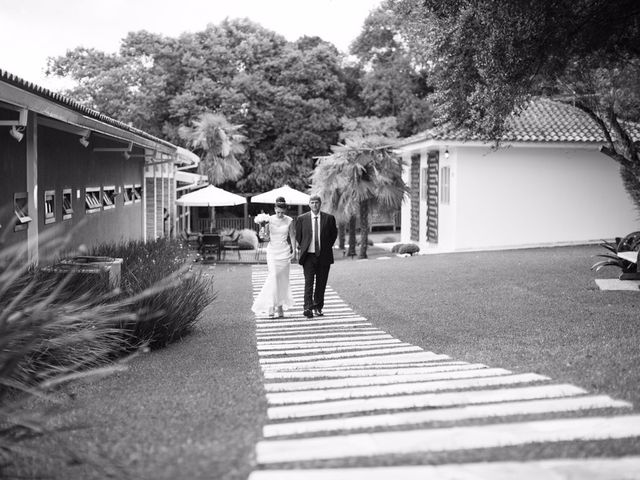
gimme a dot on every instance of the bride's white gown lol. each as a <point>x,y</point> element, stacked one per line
<point>276,290</point>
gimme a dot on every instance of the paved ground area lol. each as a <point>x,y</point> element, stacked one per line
<point>346,400</point>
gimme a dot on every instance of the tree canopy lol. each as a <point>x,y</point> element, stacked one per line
<point>390,85</point>
<point>288,96</point>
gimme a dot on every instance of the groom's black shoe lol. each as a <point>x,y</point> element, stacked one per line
<point>318,312</point>
<point>308,313</point>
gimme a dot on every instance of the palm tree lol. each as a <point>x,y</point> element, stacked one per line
<point>329,183</point>
<point>361,175</point>
<point>220,143</point>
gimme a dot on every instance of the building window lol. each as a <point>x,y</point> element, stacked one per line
<point>129,195</point>
<point>445,185</point>
<point>137,192</point>
<point>92,199</point>
<point>423,184</point>
<point>67,209</point>
<point>49,206</point>
<point>21,210</point>
<point>109,197</point>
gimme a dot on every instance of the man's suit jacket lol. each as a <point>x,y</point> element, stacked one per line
<point>328,235</point>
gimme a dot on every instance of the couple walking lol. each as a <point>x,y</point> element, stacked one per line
<point>311,237</point>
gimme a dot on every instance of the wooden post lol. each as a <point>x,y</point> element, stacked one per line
<point>31,137</point>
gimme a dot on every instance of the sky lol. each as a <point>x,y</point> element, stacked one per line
<point>32,30</point>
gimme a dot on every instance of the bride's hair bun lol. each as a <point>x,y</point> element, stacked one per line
<point>281,202</point>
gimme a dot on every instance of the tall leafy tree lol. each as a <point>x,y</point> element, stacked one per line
<point>220,144</point>
<point>487,59</point>
<point>288,96</point>
<point>391,85</point>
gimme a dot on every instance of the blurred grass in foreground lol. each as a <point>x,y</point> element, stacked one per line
<point>59,328</point>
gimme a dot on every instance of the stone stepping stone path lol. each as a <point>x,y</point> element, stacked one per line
<point>348,401</point>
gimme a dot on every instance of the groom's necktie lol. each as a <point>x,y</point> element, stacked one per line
<point>316,238</point>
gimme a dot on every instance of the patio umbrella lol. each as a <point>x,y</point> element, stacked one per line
<point>292,196</point>
<point>210,197</point>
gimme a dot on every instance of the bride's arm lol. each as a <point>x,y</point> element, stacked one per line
<point>292,237</point>
<point>267,233</point>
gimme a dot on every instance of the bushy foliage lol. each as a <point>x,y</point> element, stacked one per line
<point>48,337</point>
<point>58,327</point>
<point>409,248</point>
<point>248,239</point>
<point>404,248</point>
<point>288,96</point>
<point>174,296</point>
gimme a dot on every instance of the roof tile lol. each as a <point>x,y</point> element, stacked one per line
<point>544,120</point>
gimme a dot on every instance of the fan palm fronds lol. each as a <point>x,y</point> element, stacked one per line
<point>220,144</point>
<point>360,175</point>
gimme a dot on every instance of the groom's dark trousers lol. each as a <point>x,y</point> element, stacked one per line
<point>315,267</point>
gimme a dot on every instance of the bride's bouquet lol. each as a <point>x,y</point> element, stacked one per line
<point>262,219</point>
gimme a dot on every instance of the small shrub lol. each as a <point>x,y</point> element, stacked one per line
<point>388,240</point>
<point>248,239</point>
<point>170,297</point>
<point>409,248</point>
<point>396,247</point>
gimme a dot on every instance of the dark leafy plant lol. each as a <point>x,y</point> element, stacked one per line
<point>409,248</point>
<point>56,328</point>
<point>48,338</point>
<point>629,243</point>
<point>175,295</point>
<point>396,247</point>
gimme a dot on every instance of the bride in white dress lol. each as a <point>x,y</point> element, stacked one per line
<point>275,295</point>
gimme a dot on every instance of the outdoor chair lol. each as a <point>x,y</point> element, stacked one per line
<point>192,240</point>
<point>231,242</point>
<point>210,246</point>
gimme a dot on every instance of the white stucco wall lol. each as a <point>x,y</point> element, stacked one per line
<point>529,196</point>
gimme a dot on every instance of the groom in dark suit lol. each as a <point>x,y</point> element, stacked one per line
<point>316,232</point>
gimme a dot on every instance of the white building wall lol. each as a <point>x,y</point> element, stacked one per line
<point>524,196</point>
<point>405,210</point>
<point>447,213</point>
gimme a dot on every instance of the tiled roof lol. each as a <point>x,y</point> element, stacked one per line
<point>543,121</point>
<point>73,105</point>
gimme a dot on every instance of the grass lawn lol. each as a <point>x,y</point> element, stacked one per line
<point>534,310</point>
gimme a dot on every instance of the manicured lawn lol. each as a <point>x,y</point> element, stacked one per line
<point>534,310</point>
